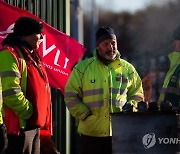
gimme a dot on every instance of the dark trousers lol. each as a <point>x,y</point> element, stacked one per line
<point>95,145</point>
<point>28,142</point>
<point>3,138</point>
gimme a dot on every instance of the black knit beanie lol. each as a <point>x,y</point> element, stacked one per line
<point>176,34</point>
<point>25,26</point>
<point>104,33</point>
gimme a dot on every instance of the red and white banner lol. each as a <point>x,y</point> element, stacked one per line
<point>59,51</point>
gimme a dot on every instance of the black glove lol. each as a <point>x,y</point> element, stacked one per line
<point>153,106</point>
<point>166,106</point>
<point>127,108</point>
<point>142,106</point>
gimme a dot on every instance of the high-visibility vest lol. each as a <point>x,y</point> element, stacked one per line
<point>171,87</point>
<point>35,88</point>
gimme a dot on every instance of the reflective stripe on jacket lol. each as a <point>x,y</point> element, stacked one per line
<point>14,91</point>
<point>167,89</point>
<point>97,90</point>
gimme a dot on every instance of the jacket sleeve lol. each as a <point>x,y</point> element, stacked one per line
<point>73,96</point>
<point>13,97</point>
<point>135,92</point>
<point>1,118</point>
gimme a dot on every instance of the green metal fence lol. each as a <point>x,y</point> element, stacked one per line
<point>57,14</point>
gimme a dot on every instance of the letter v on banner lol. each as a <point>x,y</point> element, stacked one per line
<point>59,51</point>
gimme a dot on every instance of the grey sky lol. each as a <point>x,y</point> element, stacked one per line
<point>124,5</point>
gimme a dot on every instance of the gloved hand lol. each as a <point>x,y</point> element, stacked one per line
<point>153,106</point>
<point>166,106</point>
<point>142,106</point>
<point>127,108</point>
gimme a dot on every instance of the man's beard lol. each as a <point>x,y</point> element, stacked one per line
<point>108,57</point>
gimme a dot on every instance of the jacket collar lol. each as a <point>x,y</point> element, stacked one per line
<point>174,58</point>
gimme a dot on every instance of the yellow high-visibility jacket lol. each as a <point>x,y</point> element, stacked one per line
<point>1,101</point>
<point>14,91</point>
<point>173,90</point>
<point>95,90</point>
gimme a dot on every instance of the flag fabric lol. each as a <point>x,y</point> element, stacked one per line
<point>59,51</point>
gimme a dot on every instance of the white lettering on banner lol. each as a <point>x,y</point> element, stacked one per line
<point>55,69</point>
<point>58,53</point>
<point>46,51</point>
<point>66,61</point>
<point>3,34</point>
<point>60,71</point>
<point>56,58</point>
<point>48,66</point>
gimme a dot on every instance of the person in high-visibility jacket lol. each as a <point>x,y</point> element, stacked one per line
<point>25,87</point>
<point>3,134</point>
<point>169,98</point>
<point>98,86</point>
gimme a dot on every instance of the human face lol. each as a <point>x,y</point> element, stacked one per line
<point>108,49</point>
<point>176,45</point>
<point>34,40</point>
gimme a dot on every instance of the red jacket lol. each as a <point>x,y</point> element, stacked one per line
<point>37,90</point>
